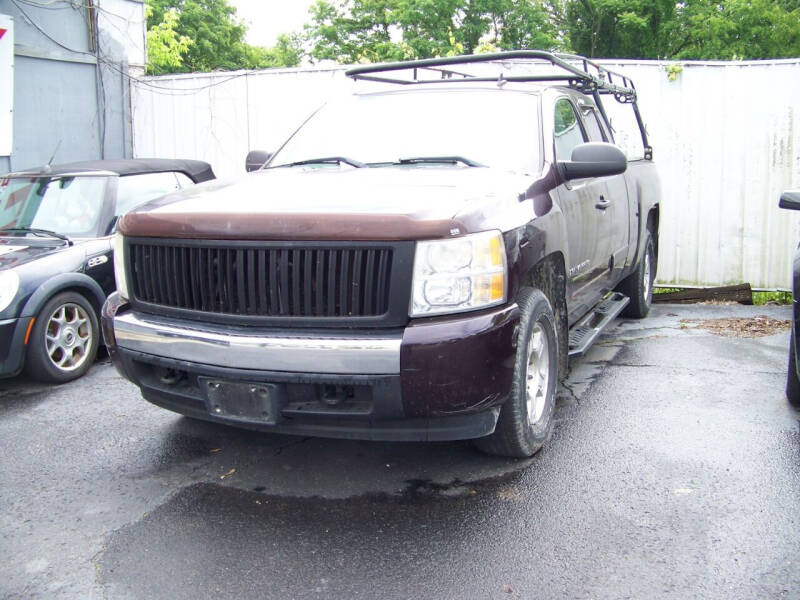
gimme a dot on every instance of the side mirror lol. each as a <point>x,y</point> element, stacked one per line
<point>593,159</point>
<point>790,199</point>
<point>256,159</point>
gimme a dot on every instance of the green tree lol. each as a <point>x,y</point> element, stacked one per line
<point>165,48</point>
<point>696,29</point>
<point>615,28</point>
<point>216,37</point>
<point>736,29</point>
<point>351,31</point>
<point>287,52</point>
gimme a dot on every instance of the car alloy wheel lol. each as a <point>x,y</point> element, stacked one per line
<point>68,337</point>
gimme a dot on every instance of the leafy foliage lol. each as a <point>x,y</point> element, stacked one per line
<point>617,28</point>
<point>737,29</point>
<point>165,48</point>
<point>204,35</point>
<point>350,31</point>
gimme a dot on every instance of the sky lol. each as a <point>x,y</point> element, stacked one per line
<point>266,19</point>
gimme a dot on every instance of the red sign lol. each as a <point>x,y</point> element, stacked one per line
<point>2,33</point>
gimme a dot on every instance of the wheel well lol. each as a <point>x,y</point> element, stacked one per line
<point>550,276</point>
<point>78,289</point>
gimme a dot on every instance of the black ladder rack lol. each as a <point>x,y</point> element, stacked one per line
<point>577,71</point>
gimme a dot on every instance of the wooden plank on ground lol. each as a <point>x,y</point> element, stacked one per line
<point>741,293</point>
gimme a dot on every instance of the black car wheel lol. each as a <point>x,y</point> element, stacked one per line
<point>526,418</point>
<point>64,339</point>
<point>638,286</point>
<point>792,382</point>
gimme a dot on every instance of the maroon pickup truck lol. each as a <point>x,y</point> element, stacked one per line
<point>418,261</point>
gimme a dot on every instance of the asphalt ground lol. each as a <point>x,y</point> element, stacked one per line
<point>673,472</point>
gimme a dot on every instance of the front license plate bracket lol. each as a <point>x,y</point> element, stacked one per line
<point>243,401</point>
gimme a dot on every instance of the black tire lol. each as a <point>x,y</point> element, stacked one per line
<point>516,435</point>
<point>65,333</point>
<point>792,382</point>
<point>638,286</point>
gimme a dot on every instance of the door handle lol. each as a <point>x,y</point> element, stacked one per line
<point>602,204</point>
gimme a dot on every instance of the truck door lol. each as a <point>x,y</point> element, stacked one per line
<point>589,253</point>
<point>613,224</point>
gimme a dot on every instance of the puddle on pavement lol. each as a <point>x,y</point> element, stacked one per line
<point>208,536</point>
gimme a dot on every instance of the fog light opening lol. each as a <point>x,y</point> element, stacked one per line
<point>334,395</point>
<point>169,376</point>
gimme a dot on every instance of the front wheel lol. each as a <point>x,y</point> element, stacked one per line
<point>526,417</point>
<point>64,339</point>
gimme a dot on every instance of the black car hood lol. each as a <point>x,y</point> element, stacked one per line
<point>18,250</point>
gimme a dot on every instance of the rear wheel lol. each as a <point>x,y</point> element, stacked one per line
<point>792,382</point>
<point>638,286</point>
<point>64,339</point>
<point>526,418</point>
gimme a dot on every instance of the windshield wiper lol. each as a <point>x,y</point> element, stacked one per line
<point>335,160</point>
<point>35,231</point>
<point>446,160</point>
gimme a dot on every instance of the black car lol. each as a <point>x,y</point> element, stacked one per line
<point>56,263</point>
<point>791,200</point>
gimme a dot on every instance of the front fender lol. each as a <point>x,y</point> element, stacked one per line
<point>64,281</point>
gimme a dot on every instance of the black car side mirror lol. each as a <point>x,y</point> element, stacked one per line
<point>790,199</point>
<point>593,159</point>
<point>256,159</point>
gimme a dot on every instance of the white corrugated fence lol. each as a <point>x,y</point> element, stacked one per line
<point>726,137</point>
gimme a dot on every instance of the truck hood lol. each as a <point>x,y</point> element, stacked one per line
<point>332,203</point>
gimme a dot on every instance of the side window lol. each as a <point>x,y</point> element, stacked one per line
<point>568,132</point>
<point>134,190</point>
<point>593,128</point>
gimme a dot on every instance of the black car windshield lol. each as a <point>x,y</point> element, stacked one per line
<point>70,206</point>
<point>486,127</point>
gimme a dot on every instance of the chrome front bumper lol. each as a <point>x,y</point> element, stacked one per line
<point>242,348</point>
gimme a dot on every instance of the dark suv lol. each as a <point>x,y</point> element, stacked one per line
<point>417,262</point>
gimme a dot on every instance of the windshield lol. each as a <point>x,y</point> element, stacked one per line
<point>67,205</point>
<point>488,127</point>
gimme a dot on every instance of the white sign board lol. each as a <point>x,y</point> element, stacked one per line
<point>6,84</point>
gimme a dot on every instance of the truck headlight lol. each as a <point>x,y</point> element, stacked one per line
<point>9,286</point>
<point>119,265</point>
<point>457,275</point>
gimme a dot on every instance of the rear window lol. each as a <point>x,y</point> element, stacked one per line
<point>627,134</point>
<point>135,190</point>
